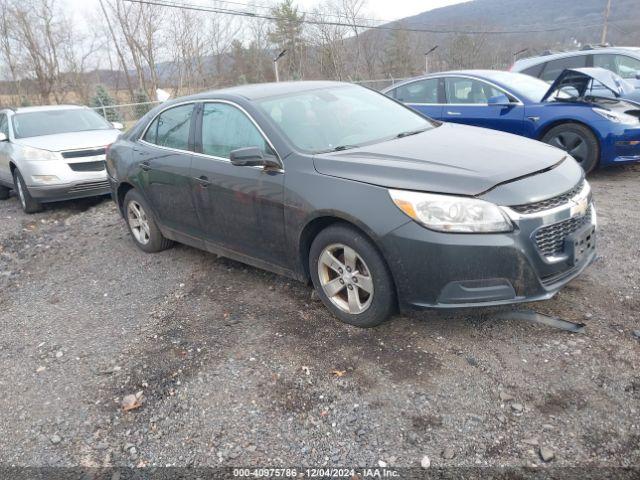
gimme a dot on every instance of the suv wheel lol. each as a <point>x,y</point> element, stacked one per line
<point>29,204</point>
<point>4,192</point>
<point>351,277</point>
<point>578,141</point>
<point>142,226</point>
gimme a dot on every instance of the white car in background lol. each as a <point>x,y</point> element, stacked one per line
<point>53,153</point>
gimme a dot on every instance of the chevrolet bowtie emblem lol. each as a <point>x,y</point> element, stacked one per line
<point>579,206</point>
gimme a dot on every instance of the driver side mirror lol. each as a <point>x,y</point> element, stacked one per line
<point>252,157</point>
<point>499,101</point>
<point>3,137</point>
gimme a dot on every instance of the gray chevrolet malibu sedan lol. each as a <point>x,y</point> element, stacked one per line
<point>379,207</point>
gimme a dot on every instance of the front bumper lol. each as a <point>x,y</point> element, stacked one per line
<point>76,178</point>
<point>440,270</point>
<point>621,146</point>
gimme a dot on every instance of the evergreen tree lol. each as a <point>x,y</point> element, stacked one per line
<point>141,96</point>
<point>103,99</point>
<point>287,34</point>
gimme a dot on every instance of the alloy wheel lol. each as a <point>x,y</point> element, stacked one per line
<point>345,278</point>
<point>23,200</point>
<point>573,144</point>
<point>138,222</point>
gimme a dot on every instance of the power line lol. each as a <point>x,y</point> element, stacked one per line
<point>240,13</point>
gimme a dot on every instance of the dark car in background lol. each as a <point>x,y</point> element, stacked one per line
<point>572,113</point>
<point>377,205</point>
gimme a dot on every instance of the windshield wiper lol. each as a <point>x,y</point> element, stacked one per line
<point>412,132</point>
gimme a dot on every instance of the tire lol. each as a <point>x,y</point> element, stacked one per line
<point>28,203</point>
<point>4,192</point>
<point>578,141</point>
<point>141,224</point>
<point>365,295</point>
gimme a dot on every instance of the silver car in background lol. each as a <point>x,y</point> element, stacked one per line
<point>53,153</point>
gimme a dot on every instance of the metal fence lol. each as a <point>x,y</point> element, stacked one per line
<point>129,113</point>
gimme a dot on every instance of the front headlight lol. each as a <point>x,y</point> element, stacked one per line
<point>446,213</point>
<point>617,117</point>
<point>35,154</point>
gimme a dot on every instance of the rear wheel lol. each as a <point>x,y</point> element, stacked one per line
<point>4,192</point>
<point>28,203</point>
<point>351,277</point>
<point>578,141</point>
<point>142,225</point>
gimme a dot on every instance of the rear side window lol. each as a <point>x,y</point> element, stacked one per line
<point>534,71</point>
<point>626,67</point>
<point>555,67</point>
<point>171,128</point>
<point>225,128</point>
<point>423,91</point>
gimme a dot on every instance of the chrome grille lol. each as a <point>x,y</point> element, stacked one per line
<point>84,187</point>
<point>550,239</point>
<point>550,202</point>
<point>92,152</point>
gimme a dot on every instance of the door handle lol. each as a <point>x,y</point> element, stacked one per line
<point>454,113</point>
<point>145,166</point>
<point>203,180</point>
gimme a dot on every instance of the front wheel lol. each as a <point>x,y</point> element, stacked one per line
<point>142,225</point>
<point>578,141</point>
<point>351,277</point>
<point>28,203</point>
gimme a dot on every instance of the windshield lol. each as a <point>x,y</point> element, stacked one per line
<point>52,122</point>
<point>523,85</point>
<point>341,117</point>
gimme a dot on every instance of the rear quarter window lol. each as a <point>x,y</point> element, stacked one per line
<point>534,71</point>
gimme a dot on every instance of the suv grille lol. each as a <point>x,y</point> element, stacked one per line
<point>550,202</point>
<point>83,187</point>
<point>93,152</point>
<point>98,166</point>
<point>550,239</point>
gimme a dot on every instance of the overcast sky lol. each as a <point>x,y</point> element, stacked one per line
<point>380,9</point>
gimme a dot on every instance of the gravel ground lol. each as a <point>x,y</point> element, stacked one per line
<point>242,367</point>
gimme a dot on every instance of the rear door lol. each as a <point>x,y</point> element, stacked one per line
<point>425,96</point>
<point>625,66</point>
<point>240,208</point>
<point>164,155</point>
<point>467,103</point>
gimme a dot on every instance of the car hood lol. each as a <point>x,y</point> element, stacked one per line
<point>454,159</point>
<point>71,141</point>
<point>580,78</point>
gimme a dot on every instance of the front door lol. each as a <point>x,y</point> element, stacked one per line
<point>240,208</point>
<point>467,103</point>
<point>5,147</point>
<point>164,156</point>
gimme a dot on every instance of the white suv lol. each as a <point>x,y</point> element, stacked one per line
<point>53,153</point>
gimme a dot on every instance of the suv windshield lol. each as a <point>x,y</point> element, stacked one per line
<point>52,122</point>
<point>341,117</point>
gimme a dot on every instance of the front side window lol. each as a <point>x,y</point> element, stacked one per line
<point>53,122</point>
<point>226,128</point>
<point>338,118</point>
<point>423,91</point>
<point>469,91</point>
<point>554,68</point>
<point>171,128</point>
<point>626,67</point>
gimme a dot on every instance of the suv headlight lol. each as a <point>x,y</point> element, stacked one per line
<point>617,117</point>
<point>452,214</point>
<point>30,153</point>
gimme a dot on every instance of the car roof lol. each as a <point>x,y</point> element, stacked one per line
<point>530,61</point>
<point>497,76</point>
<point>260,91</point>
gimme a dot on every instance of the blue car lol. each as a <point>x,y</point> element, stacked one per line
<point>597,130</point>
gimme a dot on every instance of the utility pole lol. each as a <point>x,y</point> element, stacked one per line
<point>426,59</point>
<point>605,27</point>
<point>275,63</point>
